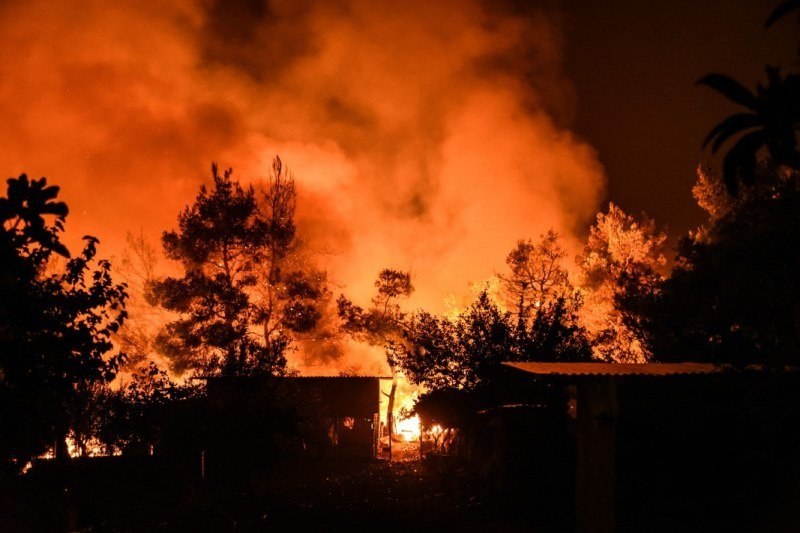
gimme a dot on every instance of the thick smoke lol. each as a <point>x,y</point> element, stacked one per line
<point>424,135</point>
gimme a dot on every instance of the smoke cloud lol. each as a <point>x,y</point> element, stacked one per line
<point>424,135</point>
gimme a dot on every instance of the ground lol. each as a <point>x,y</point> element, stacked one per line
<point>330,495</point>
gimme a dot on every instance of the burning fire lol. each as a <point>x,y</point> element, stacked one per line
<point>409,428</point>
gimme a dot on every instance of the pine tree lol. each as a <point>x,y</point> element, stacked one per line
<point>219,243</point>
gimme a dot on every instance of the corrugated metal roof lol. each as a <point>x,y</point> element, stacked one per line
<point>615,369</point>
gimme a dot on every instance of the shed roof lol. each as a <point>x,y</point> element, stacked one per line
<point>615,369</point>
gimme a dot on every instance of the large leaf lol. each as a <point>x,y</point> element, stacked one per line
<point>731,89</point>
<point>781,11</point>
<point>729,127</point>
<point>740,161</point>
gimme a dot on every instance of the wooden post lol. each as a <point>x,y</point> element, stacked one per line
<point>390,416</point>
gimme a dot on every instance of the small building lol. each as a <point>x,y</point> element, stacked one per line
<point>659,446</point>
<point>344,409</point>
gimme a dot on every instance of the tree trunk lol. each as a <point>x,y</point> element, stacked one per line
<point>61,449</point>
<point>390,416</point>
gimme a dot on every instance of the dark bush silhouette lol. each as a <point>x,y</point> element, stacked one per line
<point>56,323</point>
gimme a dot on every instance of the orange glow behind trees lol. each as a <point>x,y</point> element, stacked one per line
<point>425,136</point>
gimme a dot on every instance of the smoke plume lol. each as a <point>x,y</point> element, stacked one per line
<point>423,135</point>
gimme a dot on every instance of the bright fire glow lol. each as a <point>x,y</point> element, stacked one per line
<point>409,428</point>
<point>395,162</point>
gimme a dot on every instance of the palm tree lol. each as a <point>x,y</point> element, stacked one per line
<point>782,10</point>
<point>769,123</point>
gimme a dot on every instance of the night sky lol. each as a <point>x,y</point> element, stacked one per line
<point>633,66</point>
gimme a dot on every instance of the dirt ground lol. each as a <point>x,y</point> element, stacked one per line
<point>330,495</point>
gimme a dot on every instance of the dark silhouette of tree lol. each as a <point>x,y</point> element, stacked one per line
<point>439,353</point>
<point>733,294</point>
<point>253,232</point>
<point>129,419</point>
<point>56,323</point>
<point>292,291</point>
<point>391,285</point>
<point>221,242</point>
<point>770,123</point>
<point>556,334</point>
<point>385,320</point>
<point>465,352</point>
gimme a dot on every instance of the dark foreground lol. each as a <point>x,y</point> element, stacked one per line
<point>330,495</point>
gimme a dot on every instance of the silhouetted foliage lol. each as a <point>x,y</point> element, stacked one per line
<point>247,291</point>
<point>56,323</point>
<point>781,11</point>
<point>770,122</point>
<point>291,292</point>
<point>733,294</point>
<point>544,303</point>
<point>129,419</point>
<point>465,352</point>
<point>447,407</point>
<point>440,353</point>
<point>384,320</point>
<point>555,334</point>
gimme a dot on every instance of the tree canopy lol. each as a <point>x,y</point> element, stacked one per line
<point>620,248</point>
<point>733,294</point>
<point>769,125</point>
<point>219,243</point>
<point>464,351</point>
